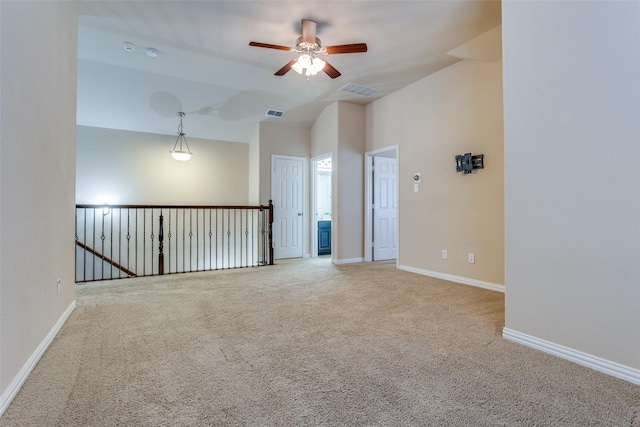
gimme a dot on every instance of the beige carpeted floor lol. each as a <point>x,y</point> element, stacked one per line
<point>305,343</point>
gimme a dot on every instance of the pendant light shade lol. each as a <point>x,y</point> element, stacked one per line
<point>181,149</point>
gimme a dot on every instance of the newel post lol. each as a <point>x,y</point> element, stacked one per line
<point>161,246</point>
<point>270,232</point>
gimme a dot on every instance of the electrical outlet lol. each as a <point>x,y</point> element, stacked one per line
<point>472,259</point>
<point>58,287</point>
<point>444,254</point>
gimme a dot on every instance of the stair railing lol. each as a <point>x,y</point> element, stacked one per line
<point>120,241</point>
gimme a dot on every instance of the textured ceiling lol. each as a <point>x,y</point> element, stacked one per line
<point>207,69</point>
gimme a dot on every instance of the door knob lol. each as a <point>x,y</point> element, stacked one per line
<point>299,213</point>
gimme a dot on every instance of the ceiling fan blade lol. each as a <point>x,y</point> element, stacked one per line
<point>331,70</point>
<point>347,48</point>
<point>284,70</point>
<point>269,46</point>
<point>309,31</point>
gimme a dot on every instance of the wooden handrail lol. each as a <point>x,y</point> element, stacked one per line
<point>105,259</point>
<point>105,206</point>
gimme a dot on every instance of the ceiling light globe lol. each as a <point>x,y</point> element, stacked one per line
<point>318,64</point>
<point>304,61</point>
<point>183,156</point>
<point>297,68</point>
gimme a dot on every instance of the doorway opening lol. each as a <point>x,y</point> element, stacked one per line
<point>381,202</point>
<point>321,205</point>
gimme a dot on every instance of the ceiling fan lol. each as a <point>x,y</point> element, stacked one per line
<point>308,48</point>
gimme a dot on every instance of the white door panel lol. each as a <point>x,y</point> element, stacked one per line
<point>385,211</point>
<point>288,206</point>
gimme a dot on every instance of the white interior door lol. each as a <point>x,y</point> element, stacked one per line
<point>287,195</point>
<point>385,208</point>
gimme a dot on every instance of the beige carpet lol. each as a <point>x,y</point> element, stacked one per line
<point>305,343</point>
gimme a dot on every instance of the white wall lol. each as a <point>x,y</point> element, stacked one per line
<point>348,215</point>
<point>324,132</point>
<point>254,168</point>
<point>572,138</point>
<point>276,138</point>
<point>37,177</point>
<point>340,130</point>
<point>455,111</point>
<point>124,167</point>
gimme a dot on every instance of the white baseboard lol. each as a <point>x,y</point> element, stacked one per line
<point>14,387</point>
<point>347,260</point>
<point>596,363</point>
<point>451,278</point>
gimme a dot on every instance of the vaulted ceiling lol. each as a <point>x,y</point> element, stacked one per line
<point>206,68</point>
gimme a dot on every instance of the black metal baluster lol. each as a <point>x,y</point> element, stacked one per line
<point>222,233</point>
<point>251,246</point>
<point>129,240</point>
<point>229,238</point>
<point>169,241</point>
<point>119,241</point>
<point>93,245</point>
<point>152,244</point>
<point>160,248</point>
<point>183,239</point>
<point>84,253</point>
<point>262,237</point>
<point>76,248</point>
<point>135,241</point>
<point>210,235</point>
<point>246,238</point>
<point>235,238</point>
<point>190,239</point>
<point>102,237</point>
<point>144,241</point>
<point>197,239</point>
<point>110,241</point>
<point>216,246</point>
<point>75,219</point>
<point>270,232</point>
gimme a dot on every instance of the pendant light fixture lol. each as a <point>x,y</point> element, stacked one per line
<point>178,152</point>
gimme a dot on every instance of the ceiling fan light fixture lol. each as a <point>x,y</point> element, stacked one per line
<point>308,65</point>
<point>318,64</point>
<point>308,47</point>
<point>297,67</point>
<point>178,152</point>
<point>304,61</point>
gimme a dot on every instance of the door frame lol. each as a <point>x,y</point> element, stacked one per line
<point>314,196</point>
<point>305,200</point>
<point>368,198</point>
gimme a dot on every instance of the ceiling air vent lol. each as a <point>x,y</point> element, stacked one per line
<point>359,89</point>
<point>274,113</point>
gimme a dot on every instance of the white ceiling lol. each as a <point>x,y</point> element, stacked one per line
<point>207,69</point>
